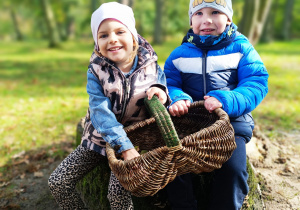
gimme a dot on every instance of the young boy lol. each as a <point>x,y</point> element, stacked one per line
<point>218,64</point>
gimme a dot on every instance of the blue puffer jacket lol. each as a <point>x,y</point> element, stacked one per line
<point>235,75</point>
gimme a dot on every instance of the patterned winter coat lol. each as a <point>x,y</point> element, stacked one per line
<point>116,100</point>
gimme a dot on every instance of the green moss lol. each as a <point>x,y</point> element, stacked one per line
<point>253,199</point>
<point>94,185</point>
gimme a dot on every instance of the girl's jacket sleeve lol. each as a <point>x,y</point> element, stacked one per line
<point>252,85</point>
<point>102,117</point>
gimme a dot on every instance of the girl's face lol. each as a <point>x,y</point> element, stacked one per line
<point>209,21</point>
<point>116,43</point>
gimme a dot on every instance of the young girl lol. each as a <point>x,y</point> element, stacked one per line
<point>123,71</point>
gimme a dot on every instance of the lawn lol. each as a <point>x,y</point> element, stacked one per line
<point>43,92</point>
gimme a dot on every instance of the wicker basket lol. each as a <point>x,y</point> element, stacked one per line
<point>196,142</point>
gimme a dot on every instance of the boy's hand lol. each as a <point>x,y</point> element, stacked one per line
<point>130,154</point>
<point>162,96</point>
<point>179,108</point>
<point>211,103</point>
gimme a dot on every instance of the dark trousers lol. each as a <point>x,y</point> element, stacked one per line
<point>229,186</point>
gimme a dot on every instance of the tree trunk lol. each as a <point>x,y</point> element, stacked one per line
<point>53,34</point>
<point>254,16</point>
<point>95,4</point>
<point>158,33</point>
<point>288,16</point>
<point>19,35</point>
<point>264,8</point>
<point>249,17</point>
<point>268,31</point>
<point>127,2</point>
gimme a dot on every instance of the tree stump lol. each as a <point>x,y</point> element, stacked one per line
<point>94,186</point>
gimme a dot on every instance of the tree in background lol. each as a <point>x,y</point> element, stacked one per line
<point>19,35</point>
<point>8,5</point>
<point>287,20</point>
<point>254,16</point>
<point>53,34</point>
<point>157,19</point>
<point>64,18</point>
<point>268,31</point>
<point>127,2</point>
<point>158,32</point>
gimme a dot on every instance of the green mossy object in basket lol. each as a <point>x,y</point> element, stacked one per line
<point>163,120</point>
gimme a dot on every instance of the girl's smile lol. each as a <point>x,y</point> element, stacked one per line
<point>115,48</point>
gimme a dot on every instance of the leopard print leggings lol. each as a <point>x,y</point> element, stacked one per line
<point>62,181</point>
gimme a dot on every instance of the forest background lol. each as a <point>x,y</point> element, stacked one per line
<point>45,47</point>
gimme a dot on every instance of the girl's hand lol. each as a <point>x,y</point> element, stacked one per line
<point>162,96</point>
<point>179,108</point>
<point>130,154</point>
<point>211,103</point>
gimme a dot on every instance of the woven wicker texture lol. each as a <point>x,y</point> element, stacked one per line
<point>196,142</point>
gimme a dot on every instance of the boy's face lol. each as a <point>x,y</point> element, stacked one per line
<point>115,42</point>
<point>209,21</point>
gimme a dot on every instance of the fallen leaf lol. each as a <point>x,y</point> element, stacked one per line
<point>20,154</point>
<point>38,174</point>
<point>4,184</point>
<point>22,176</point>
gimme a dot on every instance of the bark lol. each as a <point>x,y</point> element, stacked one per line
<point>53,34</point>
<point>158,32</point>
<point>19,35</point>
<point>95,4</point>
<point>264,8</point>
<point>254,16</point>
<point>249,17</point>
<point>287,21</point>
<point>269,30</point>
<point>127,2</point>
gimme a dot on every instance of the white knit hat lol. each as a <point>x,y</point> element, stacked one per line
<point>120,12</point>
<point>224,6</point>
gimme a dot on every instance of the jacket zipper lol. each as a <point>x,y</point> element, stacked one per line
<point>125,97</point>
<point>127,90</point>
<point>126,94</point>
<point>204,61</point>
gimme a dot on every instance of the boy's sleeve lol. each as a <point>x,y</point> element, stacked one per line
<point>102,117</point>
<point>251,89</point>
<point>174,82</point>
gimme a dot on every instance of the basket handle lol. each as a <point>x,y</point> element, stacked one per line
<point>163,121</point>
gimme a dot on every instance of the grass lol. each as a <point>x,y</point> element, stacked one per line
<point>280,110</point>
<point>43,92</point>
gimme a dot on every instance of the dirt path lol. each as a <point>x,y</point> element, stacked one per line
<point>30,191</point>
<point>277,163</point>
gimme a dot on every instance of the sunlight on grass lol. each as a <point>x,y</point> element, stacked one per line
<point>280,110</point>
<point>29,123</point>
<point>45,95</point>
<point>43,91</point>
